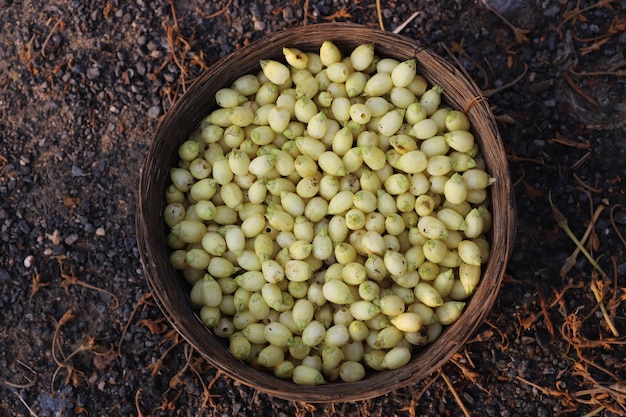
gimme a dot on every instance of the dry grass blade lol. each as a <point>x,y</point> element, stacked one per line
<point>139,412</point>
<point>406,22</point>
<point>379,11</point>
<point>455,394</point>
<point>58,23</point>
<point>563,224</point>
<point>30,411</point>
<point>611,218</point>
<point>571,260</point>
<point>31,381</point>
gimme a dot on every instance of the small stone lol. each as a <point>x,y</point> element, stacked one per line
<point>77,171</point>
<point>154,112</point>
<point>28,261</point>
<point>71,239</point>
<point>93,73</point>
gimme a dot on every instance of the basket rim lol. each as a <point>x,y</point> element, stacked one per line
<point>386,381</point>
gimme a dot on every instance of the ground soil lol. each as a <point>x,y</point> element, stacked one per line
<point>83,86</point>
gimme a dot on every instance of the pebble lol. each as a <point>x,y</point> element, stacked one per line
<point>93,73</point>
<point>77,171</point>
<point>29,261</point>
<point>71,239</point>
<point>154,112</point>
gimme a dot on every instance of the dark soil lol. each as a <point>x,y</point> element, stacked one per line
<point>82,88</point>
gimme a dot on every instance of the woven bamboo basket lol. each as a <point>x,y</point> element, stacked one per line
<point>170,290</point>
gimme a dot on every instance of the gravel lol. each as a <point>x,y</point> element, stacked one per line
<point>83,86</point>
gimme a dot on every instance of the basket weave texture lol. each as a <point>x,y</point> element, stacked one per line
<point>172,292</point>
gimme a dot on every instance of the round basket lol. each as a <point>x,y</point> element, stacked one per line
<point>170,290</point>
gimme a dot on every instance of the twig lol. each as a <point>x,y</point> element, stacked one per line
<point>515,158</point>
<point>455,394</point>
<point>379,11</point>
<point>581,161</point>
<point>568,142</point>
<point>579,90</point>
<point>406,22</point>
<point>586,186</point>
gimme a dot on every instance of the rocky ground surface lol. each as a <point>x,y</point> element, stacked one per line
<point>83,86</point>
